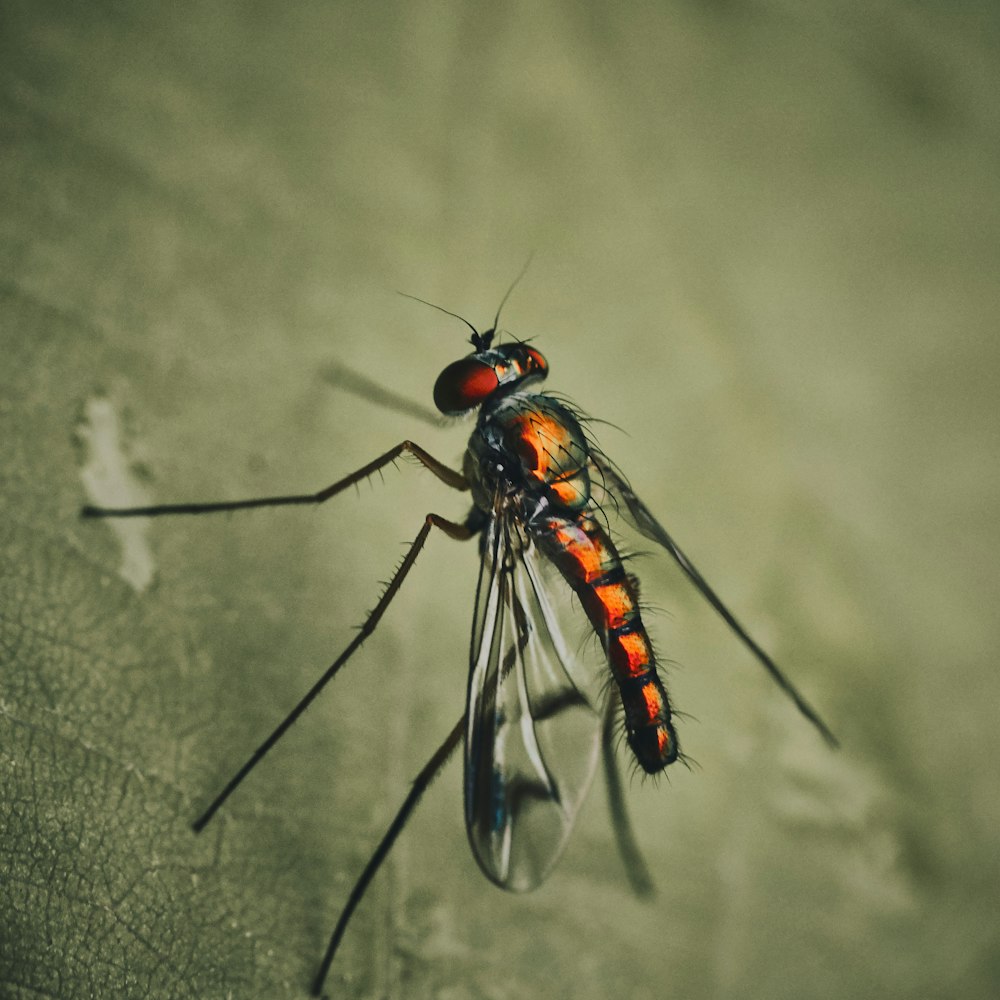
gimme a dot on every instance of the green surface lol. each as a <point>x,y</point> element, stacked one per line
<point>766,245</point>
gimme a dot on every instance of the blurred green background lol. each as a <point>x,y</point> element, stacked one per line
<point>767,239</point>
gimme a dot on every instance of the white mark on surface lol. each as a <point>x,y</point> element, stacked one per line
<point>110,482</point>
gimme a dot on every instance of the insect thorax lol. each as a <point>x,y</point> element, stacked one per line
<point>528,445</point>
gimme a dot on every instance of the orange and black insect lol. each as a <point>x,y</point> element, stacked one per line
<point>536,716</point>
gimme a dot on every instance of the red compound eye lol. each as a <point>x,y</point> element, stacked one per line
<point>463,385</point>
<point>535,362</point>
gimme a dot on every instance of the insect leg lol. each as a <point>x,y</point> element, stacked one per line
<point>420,784</point>
<point>460,532</point>
<point>341,377</point>
<point>447,476</point>
<point>628,847</point>
<point>644,522</point>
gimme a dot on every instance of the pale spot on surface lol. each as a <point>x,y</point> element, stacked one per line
<point>110,482</point>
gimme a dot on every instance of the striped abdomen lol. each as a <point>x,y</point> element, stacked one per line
<point>589,561</point>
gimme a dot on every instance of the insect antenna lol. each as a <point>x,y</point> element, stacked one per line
<point>480,341</point>
<point>487,335</point>
<point>476,337</point>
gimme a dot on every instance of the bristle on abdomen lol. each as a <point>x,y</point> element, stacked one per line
<point>589,561</point>
<point>647,709</point>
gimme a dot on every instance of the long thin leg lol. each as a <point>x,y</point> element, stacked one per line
<point>459,532</point>
<point>420,784</point>
<point>341,377</point>
<point>628,847</point>
<point>646,524</point>
<point>447,476</point>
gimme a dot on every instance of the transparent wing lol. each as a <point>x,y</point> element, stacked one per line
<point>536,696</point>
<point>605,475</point>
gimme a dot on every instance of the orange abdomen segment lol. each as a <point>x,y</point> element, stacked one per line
<point>589,561</point>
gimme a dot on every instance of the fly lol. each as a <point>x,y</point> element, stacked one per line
<point>537,717</point>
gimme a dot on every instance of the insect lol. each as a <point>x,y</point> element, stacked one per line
<point>536,717</point>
